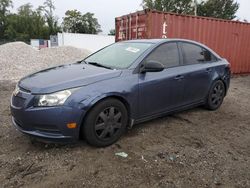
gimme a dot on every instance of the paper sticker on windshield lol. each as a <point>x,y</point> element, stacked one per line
<point>134,50</point>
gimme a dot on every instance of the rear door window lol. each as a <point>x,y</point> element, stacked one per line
<point>194,54</point>
<point>167,54</point>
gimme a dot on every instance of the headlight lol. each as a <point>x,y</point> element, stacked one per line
<point>54,99</point>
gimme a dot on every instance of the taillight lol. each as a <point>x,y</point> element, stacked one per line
<point>228,69</point>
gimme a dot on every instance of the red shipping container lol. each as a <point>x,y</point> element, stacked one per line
<point>230,39</point>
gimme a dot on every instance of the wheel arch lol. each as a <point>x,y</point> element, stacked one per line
<point>100,99</point>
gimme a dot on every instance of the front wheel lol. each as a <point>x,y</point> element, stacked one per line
<point>216,95</point>
<point>105,123</point>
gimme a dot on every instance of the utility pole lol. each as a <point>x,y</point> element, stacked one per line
<point>195,7</point>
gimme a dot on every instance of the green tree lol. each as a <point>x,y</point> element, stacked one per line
<point>75,22</point>
<point>92,25</point>
<point>4,11</point>
<point>176,6</point>
<point>26,24</point>
<point>225,9</point>
<point>20,24</point>
<point>48,8</point>
<point>10,31</point>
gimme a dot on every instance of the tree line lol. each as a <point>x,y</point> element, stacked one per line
<point>41,22</point>
<point>224,9</point>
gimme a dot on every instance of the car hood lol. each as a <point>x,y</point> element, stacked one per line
<point>65,77</point>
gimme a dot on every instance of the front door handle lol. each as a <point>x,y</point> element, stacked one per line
<point>179,77</point>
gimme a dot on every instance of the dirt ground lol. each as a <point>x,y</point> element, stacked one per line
<point>196,148</point>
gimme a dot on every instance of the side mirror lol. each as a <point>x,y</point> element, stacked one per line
<point>152,66</point>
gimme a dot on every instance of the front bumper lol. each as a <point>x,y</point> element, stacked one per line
<point>44,137</point>
<point>47,124</point>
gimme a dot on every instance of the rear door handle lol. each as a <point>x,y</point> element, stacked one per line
<point>208,70</point>
<point>179,77</point>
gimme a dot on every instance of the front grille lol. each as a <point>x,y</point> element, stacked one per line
<point>18,101</point>
<point>47,128</point>
<point>19,124</point>
<point>52,129</point>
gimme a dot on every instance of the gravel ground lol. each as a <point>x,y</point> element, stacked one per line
<point>18,59</point>
<point>196,148</point>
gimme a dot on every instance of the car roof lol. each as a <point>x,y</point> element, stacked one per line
<point>160,41</point>
<point>154,41</point>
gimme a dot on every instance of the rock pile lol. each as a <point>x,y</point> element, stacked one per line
<point>18,59</point>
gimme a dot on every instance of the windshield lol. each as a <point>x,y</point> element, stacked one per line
<point>118,55</point>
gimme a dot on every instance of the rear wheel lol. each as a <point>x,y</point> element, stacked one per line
<point>216,95</point>
<point>105,123</point>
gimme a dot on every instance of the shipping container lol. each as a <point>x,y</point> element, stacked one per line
<point>230,39</point>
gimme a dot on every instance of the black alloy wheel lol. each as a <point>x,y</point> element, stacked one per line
<point>108,123</point>
<point>216,95</point>
<point>105,123</point>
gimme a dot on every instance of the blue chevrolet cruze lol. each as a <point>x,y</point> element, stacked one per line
<point>121,85</point>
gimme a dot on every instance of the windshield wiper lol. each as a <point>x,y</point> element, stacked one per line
<point>98,65</point>
<point>79,62</point>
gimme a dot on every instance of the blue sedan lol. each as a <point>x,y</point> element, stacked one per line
<point>121,85</point>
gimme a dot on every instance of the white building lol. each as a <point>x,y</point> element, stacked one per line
<point>86,41</point>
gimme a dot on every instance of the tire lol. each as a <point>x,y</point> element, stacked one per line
<point>216,95</point>
<point>105,123</point>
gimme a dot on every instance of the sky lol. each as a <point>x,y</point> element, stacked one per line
<point>106,10</point>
